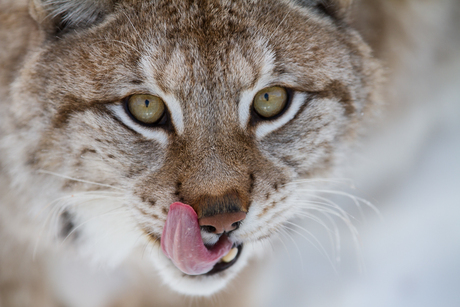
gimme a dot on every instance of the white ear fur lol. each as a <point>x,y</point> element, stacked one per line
<point>335,8</point>
<point>71,12</point>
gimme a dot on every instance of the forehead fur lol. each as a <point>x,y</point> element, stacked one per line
<point>205,46</point>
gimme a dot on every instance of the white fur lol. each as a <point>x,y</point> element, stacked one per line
<point>109,232</point>
<point>151,133</point>
<point>75,12</point>
<point>174,107</point>
<point>197,285</point>
<point>244,107</point>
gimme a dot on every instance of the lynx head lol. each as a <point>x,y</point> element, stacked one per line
<point>218,106</point>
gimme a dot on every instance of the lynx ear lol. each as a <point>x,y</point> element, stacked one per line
<point>338,9</point>
<point>54,16</point>
<point>341,7</point>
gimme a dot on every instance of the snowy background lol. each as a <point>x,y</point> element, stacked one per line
<point>409,254</point>
<point>410,258</point>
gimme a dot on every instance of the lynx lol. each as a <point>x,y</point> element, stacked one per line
<point>173,135</point>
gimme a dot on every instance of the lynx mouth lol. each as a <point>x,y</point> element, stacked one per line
<point>225,263</point>
<point>182,243</point>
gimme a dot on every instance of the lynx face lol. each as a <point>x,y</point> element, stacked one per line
<point>219,105</point>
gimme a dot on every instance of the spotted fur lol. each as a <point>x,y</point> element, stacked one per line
<point>71,154</point>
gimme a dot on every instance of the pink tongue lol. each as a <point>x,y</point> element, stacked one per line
<point>181,242</point>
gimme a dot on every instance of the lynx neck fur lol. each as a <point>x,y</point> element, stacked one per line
<point>86,179</point>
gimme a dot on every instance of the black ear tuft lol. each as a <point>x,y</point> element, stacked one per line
<point>337,9</point>
<point>58,16</point>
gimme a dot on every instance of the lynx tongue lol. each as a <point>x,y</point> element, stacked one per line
<point>181,242</point>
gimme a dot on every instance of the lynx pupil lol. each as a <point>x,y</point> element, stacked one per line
<point>146,109</point>
<point>270,101</point>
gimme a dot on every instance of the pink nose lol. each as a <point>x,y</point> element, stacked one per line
<point>220,223</point>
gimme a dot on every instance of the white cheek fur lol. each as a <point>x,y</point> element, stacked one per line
<point>174,107</point>
<point>151,133</point>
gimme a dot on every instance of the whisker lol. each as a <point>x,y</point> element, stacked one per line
<point>40,233</point>
<point>149,243</point>
<point>103,194</point>
<point>319,247</point>
<point>283,229</point>
<point>330,204</point>
<point>315,219</point>
<point>323,250</point>
<point>80,180</point>
<point>332,211</point>
<point>346,181</point>
<point>338,212</point>
<point>355,199</point>
<point>354,232</point>
<point>81,198</point>
<point>112,211</point>
<point>285,247</point>
<point>334,235</point>
<point>61,204</point>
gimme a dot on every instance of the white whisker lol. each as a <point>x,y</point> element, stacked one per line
<point>330,204</point>
<point>315,219</point>
<point>102,194</point>
<point>283,229</point>
<point>62,204</point>
<point>79,180</point>
<point>346,181</point>
<point>331,209</point>
<point>318,246</point>
<point>285,247</point>
<point>149,243</point>
<point>323,250</point>
<point>334,235</point>
<point>112,211</point>
<point>357,200</point>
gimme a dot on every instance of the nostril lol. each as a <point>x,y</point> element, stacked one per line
<point>236,225</point>
<point>220,223</point>
<point>207,228</point>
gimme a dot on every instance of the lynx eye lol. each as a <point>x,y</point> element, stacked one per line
<point>270,101</point>
<point>147,109</point>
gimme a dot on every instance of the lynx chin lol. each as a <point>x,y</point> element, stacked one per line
<point>174,135</point>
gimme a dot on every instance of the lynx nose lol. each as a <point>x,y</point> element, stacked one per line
<point>220,223</point>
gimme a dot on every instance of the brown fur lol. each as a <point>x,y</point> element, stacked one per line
<point>60,72</point>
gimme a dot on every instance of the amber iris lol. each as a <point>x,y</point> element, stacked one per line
<point>270,101</point>
<point>147,109</point>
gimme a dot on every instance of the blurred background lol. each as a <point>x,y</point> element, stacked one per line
<point>406,250</point>
<point>408,254</point>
